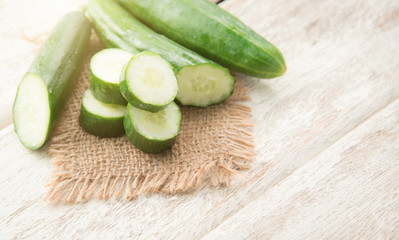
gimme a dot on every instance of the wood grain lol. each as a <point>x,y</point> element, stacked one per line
<point>350,190</point>
<point>343,69</point>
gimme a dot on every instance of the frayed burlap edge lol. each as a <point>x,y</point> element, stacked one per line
<point>103,186</point>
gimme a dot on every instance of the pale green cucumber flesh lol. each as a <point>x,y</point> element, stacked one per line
<point>101,119</point>
<point>204,84</point>
<point>152,132</point>
<point>148,82</point>
<point>31,111</point>
<point>105,69</point>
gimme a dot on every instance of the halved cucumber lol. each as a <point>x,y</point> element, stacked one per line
<point>105,69</point>
<point>152,132</point>
<point>101,119</point>
<point>46,86</point>
<point>198,89</point>
<point>148,82</point>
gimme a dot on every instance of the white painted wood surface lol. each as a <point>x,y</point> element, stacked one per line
<point>326,136</point>
<point>349,190</point>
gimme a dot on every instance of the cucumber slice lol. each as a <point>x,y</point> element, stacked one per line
<point>201,90</point>
<point>105,69</point>
<point>32,111</point>
<point>148,82</point>
<point>152,132</point>
<point>101,119</point>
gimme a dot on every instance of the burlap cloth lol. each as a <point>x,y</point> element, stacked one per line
<point>214,144</point>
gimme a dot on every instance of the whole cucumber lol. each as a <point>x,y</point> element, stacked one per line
<point>209,30</point>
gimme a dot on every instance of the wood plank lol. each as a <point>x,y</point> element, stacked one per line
<point>342,69</point>
<point>349,191</point>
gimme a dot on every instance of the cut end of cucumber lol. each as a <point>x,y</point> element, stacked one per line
<point>102,109</point>
<point>161,125</point>
<point>150,81</point>
<point>31,112</point>
<point>105,68</point>
<point>101,119</point>
<point>204,84</point>
<point>108,63</point>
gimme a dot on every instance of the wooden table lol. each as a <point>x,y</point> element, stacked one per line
<point>326,134</point>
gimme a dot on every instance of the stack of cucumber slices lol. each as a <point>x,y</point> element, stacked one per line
<point>133,94</point>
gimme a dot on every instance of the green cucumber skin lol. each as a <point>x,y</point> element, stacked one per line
<point>59,60</point>
<point>100,126</point>
<point>212,32</point>
<point>106,92</point>
<point>109,36</point>
<point>117,28</point>
<point>142,142</point>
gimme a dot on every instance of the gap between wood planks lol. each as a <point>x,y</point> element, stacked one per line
<point>218,1</point>
<point>300,167</point>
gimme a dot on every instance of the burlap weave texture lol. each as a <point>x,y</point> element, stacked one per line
<point>214,144</point>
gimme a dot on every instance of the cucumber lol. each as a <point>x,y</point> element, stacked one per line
<point>101,119</point>
<point>44,88</point>
<point>212,32</point>
<point>117,28</point>
<point>194,90</point>
<point>148,82</point>
<point>152,132</point>
<point>105,69</point>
